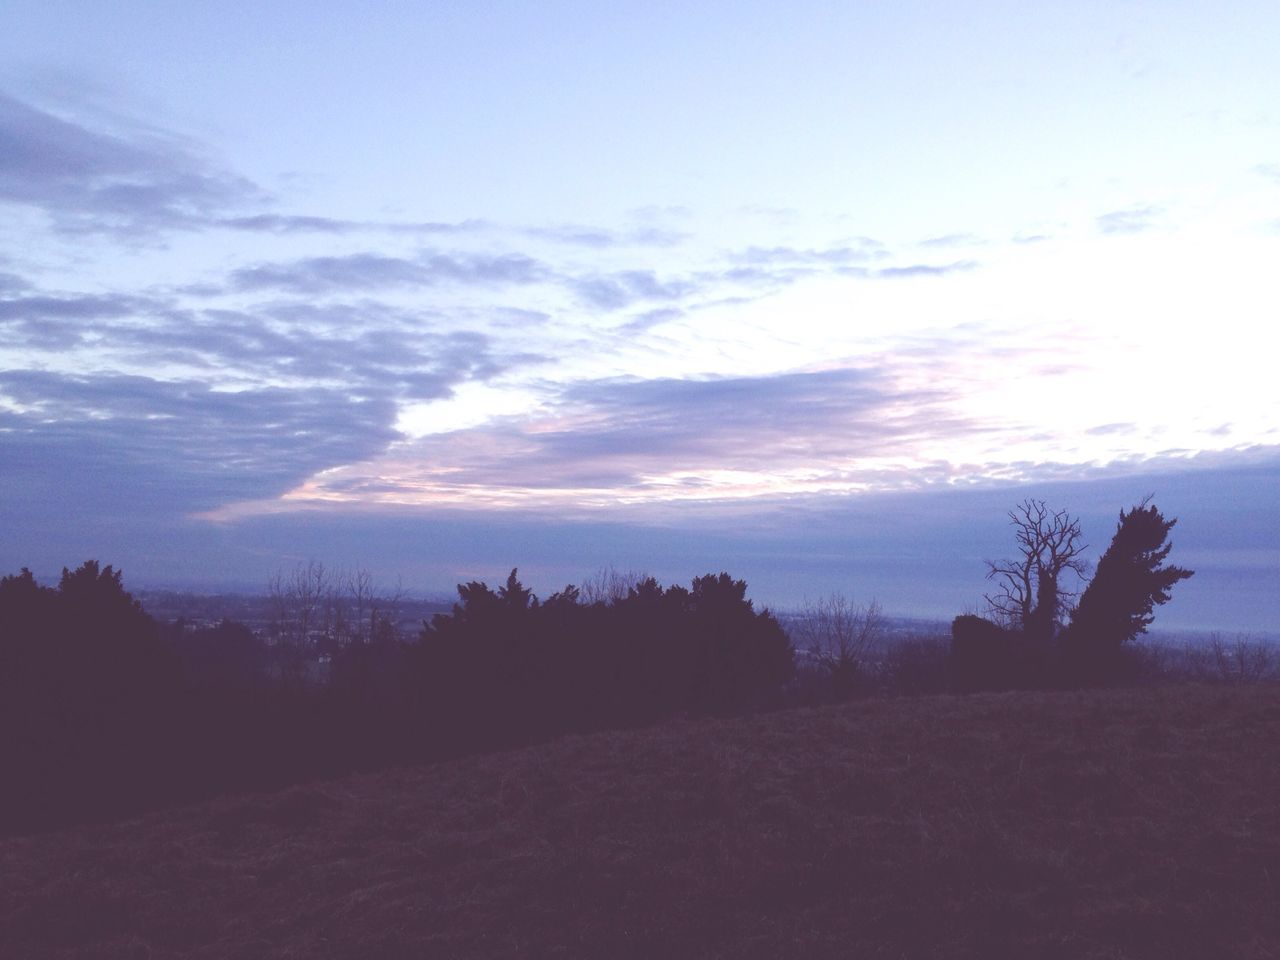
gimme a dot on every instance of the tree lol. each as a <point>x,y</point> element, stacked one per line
<point>744,656</point>
<point>108,640</point>
<point>298,604</point>
<point>88,696</point>
<point>839,636</point>
<point>1131,580</point>
<point>1030,595</point>
<point>353,609</point>
<point>609,585</point>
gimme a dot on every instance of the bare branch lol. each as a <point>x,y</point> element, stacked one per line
<point>840,636</point>
<point>1050,545</point>
<point>608,585</point>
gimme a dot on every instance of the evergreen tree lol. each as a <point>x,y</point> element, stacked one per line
<point>1131,580</point>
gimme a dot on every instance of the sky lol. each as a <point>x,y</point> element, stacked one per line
<point>812,293</point>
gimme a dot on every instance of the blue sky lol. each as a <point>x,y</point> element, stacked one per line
<point>812,294</point>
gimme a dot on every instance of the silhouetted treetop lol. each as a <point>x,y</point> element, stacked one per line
<point>1024,646</point>
<point>1030,594</point>
<point>1131,579</point>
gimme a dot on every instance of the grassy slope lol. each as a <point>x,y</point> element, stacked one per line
<point>1110,824</point>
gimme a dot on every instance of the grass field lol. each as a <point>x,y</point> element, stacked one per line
<point>1111,824</point>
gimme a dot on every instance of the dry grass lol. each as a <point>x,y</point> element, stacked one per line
<point>1122,824</point>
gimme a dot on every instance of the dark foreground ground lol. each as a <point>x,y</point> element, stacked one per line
<point>1137,823</point>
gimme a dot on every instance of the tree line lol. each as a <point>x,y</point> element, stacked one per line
<point>103,711</point>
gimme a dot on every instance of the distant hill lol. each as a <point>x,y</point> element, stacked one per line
<point>1137,823</point>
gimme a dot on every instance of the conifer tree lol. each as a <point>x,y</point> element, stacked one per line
<point>1131,580</point>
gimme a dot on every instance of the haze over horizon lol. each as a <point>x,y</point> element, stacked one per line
<point>812,295</point>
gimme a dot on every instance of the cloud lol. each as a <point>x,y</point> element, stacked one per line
<point>669,438</point>
<point>744,418</point>
<point>599,238</point>
<point>624,288</point>
<point>865,249</point>
<point>927,269</point>
<point>1109,429</point>
<point>59,323</point>
<point>1134,219</point>
<point>117,442</point>
<point>592,237</point>
<point>94,181</point>
<point>368,348</point>
<point>11,283</point>
<point>370,271</point>
<point>363,271</point>
<point>70,308</point>
<point>1270,171</point>
<point>782,266</point>
<point>372,349</point>
<point>284,224</point>
<point>950,240</point>
<point>252,403</point>
<point>578,235</point>
<point>650,319</point>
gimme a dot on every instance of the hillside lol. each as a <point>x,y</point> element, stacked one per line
<point>1114,824</point>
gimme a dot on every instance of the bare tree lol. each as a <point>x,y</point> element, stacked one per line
<point>1242,659</point>
<point>608,585</point>
<point>298,602</point>
<point>362,595</point>
<point>373,611</point>
<point>318,610</point>
<point>300,615</point>
<point>840,637</point>
<point>1030,592</point>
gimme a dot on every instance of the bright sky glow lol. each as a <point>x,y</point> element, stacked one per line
<point>550,261</point>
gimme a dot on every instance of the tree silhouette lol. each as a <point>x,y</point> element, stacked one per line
<point>840,636</point>
<point>1030,594</point>
<point>1131,580</point>
<point>86,695</point>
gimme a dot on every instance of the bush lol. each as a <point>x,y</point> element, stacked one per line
<point>986,656</point>
<point>920,665</point>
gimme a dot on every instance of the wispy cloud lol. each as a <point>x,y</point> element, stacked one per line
<point>1108,429</point>
<point>861,251</point>
<point>927,269</point>
<point>575,235</point>
<point>1270,171</point>
<point>615,291</point>
<point>1134,219</point>
<point>774,268</point>
<point>36,308</point>
<point>949,241</point>
<point>284,224</point>
<point>650,319</point>
<point>98,181</point>
<point>371,271</point>
<point>369,348</point>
